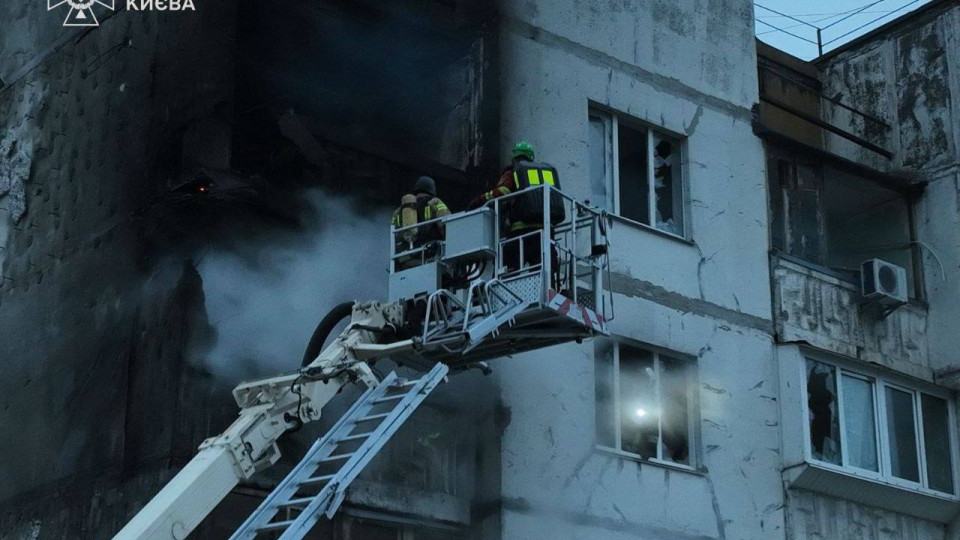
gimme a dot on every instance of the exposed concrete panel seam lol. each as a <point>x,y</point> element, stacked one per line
<point>599,58</point>
<point>636,288</point>
<point>519,505</point>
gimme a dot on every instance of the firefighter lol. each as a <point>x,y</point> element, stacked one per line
<point>524,213</point>
<point>417,207</point>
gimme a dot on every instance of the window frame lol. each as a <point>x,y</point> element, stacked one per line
<point>693,407</point>
<point>880,381</point>
<point>612,179</point>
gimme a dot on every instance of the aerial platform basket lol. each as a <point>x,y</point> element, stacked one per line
<point>478,290</point>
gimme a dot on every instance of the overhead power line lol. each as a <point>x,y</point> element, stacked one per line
<point>844,16</point>
<point>788,33</point>
<point>870,5</point>
<point>862,26</point>
<point>791,17</point>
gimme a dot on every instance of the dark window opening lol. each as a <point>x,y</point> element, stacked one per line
<point>822,407</point>
<point>838,220</point>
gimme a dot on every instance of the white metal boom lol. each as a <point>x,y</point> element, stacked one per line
<point>269,407</point>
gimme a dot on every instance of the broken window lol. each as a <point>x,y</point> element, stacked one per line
<point>822,411</point>
<point>635,172</point>
<point>644,403</point>
<point>836,219</point>
<point>875,412</point>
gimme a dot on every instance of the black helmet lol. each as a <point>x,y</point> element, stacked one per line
<point>425,184</point>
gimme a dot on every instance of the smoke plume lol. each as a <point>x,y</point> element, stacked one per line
<point>265,295</point>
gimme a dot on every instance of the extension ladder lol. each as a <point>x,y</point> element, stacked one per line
<point>317,485</point>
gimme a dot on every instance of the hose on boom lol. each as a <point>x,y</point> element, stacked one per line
<point>327,324</point>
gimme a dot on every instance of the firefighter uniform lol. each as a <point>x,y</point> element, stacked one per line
<point>421,206</point>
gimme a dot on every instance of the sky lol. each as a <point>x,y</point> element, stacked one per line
<point>827,15</point>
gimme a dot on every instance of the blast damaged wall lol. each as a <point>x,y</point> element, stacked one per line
<point>131,151</point>
<point>907,74</point>
<point>903,77</point>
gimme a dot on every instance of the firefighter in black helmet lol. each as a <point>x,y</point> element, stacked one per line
<point>420,206</point>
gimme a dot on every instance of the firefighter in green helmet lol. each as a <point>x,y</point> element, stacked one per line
<point>524,213</point>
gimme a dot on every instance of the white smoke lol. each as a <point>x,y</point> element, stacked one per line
<point>266,296</point>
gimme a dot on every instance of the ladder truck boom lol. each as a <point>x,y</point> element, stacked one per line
<point>269,408</point>
<point>454,303</point>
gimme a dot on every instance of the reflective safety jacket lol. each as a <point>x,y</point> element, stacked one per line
<point>417,209</point>
<point>526,211</point>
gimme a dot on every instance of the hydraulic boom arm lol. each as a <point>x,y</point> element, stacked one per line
<point>269,408</point>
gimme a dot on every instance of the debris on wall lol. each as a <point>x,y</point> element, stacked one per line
<point>15,160</point>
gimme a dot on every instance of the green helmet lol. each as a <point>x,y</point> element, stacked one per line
<point>523,149</point>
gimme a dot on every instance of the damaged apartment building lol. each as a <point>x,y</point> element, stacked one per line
<point>749,388</point>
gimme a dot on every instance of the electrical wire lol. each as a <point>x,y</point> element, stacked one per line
<point>823,19</point>
<point>901,8</point>
<point>788,33</point>
<point>856,11</point>
<point>783,15</point>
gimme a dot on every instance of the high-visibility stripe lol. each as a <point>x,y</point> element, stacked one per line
<point>427,213</point>
<point>519,225</point>
<point>516,180</point>
<point>548,177</point>
<point>441,207</point>
<point>503,190</point>
<point>533,177</point>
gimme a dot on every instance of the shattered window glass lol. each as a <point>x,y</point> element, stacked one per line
<point>936,438</point>
<point>667,187</point>
<point>859,424</point>
<point>636,171</point>
<point>883,430</point>
<point>822,410</point>
<point>634,189</point>
<point>675,384</point>
<point>902,435</point>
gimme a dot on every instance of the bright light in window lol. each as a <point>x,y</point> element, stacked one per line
<point>641,413</point>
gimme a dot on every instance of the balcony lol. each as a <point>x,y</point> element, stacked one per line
<point>821,308</point>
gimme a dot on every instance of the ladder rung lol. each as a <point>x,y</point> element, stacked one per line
<point>355,437</point>
<point>336,457</point>
<point>373,417</point>
<point>389,398</point>
<point>317,479</point>
<point>296,502</point>
<point>275,525</point>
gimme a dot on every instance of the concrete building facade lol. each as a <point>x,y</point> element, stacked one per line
<point>859,150</point>
<point>741,364</point>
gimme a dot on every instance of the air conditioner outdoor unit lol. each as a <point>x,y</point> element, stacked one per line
<point>883,283</point>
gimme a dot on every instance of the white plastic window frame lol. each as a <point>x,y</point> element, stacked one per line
<point>879,382</point>
<point>693,409</point>
<point>613,119</point>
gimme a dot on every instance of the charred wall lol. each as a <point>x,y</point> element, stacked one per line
<point>128,150</point>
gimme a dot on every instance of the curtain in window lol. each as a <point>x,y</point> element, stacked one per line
<point>860,427</point>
